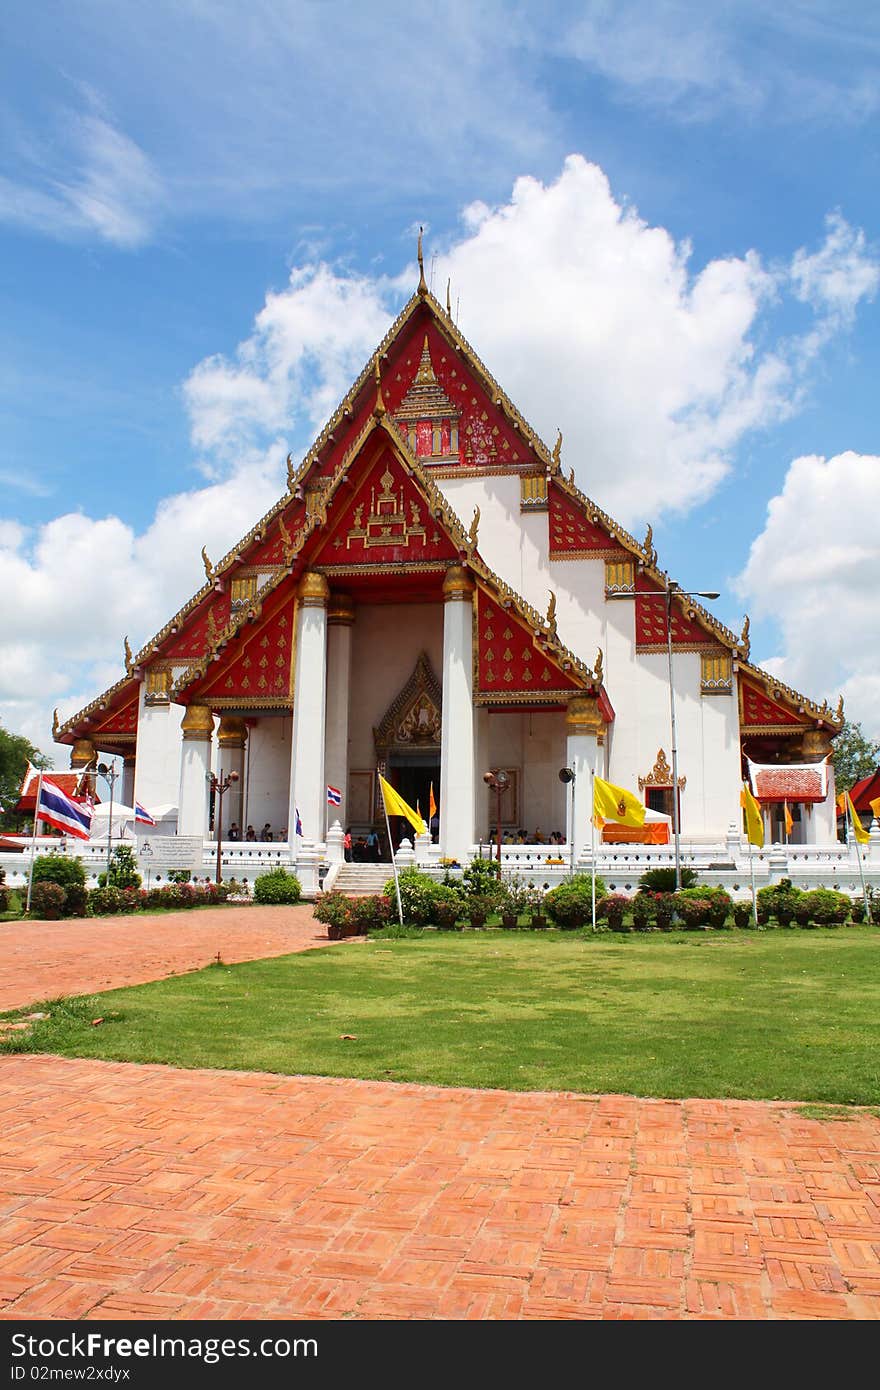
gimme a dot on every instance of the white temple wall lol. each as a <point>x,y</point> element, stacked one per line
<point>157,770</point>
<point>532,745</point>
<point>386,642</point>
<point>267,775</point>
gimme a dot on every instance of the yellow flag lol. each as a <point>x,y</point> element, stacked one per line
<point>432,805</point>
<point>875,806</point>
<point>862,835</point>
<point>841,804</point>
<point>615,804</point>
<point>396,806</point>
<point>754,819</point>
<point>789,822</point>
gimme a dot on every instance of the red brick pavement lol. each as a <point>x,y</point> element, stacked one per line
<point>144,1192</point>
<point>41,960</point>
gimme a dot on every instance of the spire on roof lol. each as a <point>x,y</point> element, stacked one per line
<point>449,298</point>
<point>379,407</point>
<point>423,284</point>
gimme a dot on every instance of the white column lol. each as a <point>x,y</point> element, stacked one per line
<point>231,741</point>
<point>583,723</point>
<point>307,786</point>
<point>340,619</point>
<point>195,764</point>
<point>457,756</point>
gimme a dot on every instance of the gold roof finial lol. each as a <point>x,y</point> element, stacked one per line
<point>55,724</point>
<point>379,407</point>
<point>423,284</point>
<point>838,713</point>
<point>571,477</point>
<point>556,462</point>
<point>291,473</point>
<point>551,613</point>
<point>209,568</point>
<point>473,529</point>
<point>449,298</point>
<point>128,658</point>
<point>744,639</point>
<point>598,667</point>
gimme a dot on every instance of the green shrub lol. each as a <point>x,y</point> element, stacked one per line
<point>179,875</point>
<point>370,913</point>
<point>105,902</point>
<point>663,880</point>
<point>857,910</point>
<point>482,879</point>
<point>571,904</point>
<point>76,900</point>
<point>779,901</point>
<point>644,911</point>
<point>826,908</point>
<point>418,894</point>
<point>123,869</point>
<point>334,911</point>
<point>277,886</point>
<point>664,910</point>
<point>4,898</point>
<point>47,901</point>
<point>446,906</point>
<point>612,909</point>
<point>59,868</point>
<point>694,912</point>
<point>478,907</point>
<point>743,916</point>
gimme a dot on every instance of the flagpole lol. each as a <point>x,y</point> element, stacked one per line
<point>34,840</point>
<point>849,816</point>
<point>754,890</point>
<point>592,839</point>
<point>391,848</point>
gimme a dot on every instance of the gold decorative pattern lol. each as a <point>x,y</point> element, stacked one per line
<point>619,577</point>
<point>661,774</point>
<point>716,673</point>
<point>197,723</point>
<point>532,492</point>
<point>413,718</point>
<point>387,523</point>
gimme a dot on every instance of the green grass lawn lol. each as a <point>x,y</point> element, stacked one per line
<point>782,1014</point>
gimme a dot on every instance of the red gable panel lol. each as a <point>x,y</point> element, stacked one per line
<point>384,521</point>
<point>195,636</point>
<point>758,710</point>
<point>510,663</point>
<point>570,529</point>
<point>119,721</point>
<point>651,621</point>
<point>258,664</point>
<point>270,551</point>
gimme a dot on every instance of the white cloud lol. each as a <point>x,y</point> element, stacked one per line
<point>104,185</point>
<point>813,571</point>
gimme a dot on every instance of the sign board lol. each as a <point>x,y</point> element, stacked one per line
<point>159,853</point>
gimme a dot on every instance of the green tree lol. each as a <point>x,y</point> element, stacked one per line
<point>15,752</point>
<point>854,756</point>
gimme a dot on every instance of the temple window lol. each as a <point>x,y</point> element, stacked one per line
<point>716,674</point>
<point>533,492</point>
<point>619,578</point>
<point>242,591</point>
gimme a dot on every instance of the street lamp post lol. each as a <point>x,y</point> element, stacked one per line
<point>109,773</point>
<point>567,775</point>
<point>219,786</point>
<point>670,589</point>
<point>499,782</point>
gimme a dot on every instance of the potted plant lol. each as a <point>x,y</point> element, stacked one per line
<point>515,902</point>
<point>535,902</point>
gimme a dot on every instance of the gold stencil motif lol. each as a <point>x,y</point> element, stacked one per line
<point>387,524</point>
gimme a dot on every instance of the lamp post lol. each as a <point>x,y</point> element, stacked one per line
<point>109,773</point>
<point>567,777</point>
<point>219,786</point>
<point>499,782</point>
<point>670,589</point>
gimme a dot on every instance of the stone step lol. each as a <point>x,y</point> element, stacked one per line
<point>362,880</point>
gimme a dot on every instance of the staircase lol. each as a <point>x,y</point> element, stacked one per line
<point>361,880</point>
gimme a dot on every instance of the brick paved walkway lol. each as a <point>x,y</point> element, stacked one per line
<point>134,1191</point>
<point>41,960</point>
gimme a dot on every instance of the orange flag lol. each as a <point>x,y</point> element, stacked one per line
<point>432,805</point>
<point>789,822</point>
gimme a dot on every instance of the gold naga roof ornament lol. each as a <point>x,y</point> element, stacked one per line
<point>449,298</point>
<point>129,660</point>
<point>598,668</point>
<point>838,713</point>
<point>209,568</point>
<point>473,530</point>
<point>423,284</point>
<point>379,407</point>
<point>744,640</point>
<point>648,549</point>
<point>556,456</point>
<point>551,615</point>
<point>291,473</point>
<point>56,724</point>
<point>571,478</point>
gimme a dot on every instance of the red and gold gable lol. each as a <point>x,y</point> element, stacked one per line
<point>256,665</point>
<point>199,629</point>
<point>384,521</point>
<point>269,552</point>
<point>122,720</point>
<point>759,711</point>
<point>651,621</point>
<point>571,532</point>
<point>510,663</point>
<point>486,438</point>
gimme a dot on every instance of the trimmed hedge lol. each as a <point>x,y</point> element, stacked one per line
<point>277,886</point>
<point>571,904</point>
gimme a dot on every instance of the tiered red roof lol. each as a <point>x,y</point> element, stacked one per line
<point>572,534</point>
<point>651,621</point>
<point>759,711</point>
<point>510,662</point>
<point>804,782</point>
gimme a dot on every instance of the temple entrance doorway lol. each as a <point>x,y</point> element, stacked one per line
<point>414,775</point>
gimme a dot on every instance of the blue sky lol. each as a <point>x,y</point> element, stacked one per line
<point>661,223</point>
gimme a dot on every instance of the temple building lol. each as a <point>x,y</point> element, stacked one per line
<point>434,598</point>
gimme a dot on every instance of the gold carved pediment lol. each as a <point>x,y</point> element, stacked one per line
<point>660,774</point>
<point>413,719</point>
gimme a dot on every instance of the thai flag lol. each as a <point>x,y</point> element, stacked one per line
<point>141,816</point>
<point>56,808</point>
<point>334,796</point>
<point>298,828</point>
